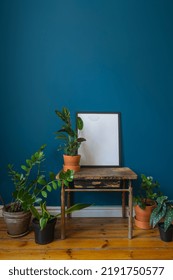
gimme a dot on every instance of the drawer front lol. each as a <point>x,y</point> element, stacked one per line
<point>96,184</point>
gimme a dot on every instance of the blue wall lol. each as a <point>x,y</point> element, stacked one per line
<point>94,55</point>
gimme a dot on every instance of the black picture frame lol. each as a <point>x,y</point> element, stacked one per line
<point>102,134</point>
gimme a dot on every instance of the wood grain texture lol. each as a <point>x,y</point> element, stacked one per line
<point>87,239</point>
<point>97,173</point>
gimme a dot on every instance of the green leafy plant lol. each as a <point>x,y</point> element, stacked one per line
<point>31,185</point>
<point>44,216</point>
<point>148,192</point>
<point>164,210</point>
<point>68,134</point>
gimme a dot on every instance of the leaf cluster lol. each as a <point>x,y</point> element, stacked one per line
<point>68,134</point>
<point>164,210</point>
<point>31,184</point>
<point>148,191</point>
<point>44,216</point>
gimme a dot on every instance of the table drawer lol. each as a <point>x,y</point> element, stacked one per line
<point>96,184</point>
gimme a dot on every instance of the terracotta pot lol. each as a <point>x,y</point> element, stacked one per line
<point>17,222</point>
<point>142,224</point>
<point>71,162</point>
<point>142,216</point>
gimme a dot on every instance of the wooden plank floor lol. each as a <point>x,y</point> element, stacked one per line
<point>88,239</point>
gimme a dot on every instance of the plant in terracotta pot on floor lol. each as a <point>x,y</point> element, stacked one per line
<point>162,216</point>
<point>30,186</point>
<point>145,202</point>
<point>69,136</point>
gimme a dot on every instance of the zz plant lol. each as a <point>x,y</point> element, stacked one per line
<point>31,185</point>
<point>68,134</point>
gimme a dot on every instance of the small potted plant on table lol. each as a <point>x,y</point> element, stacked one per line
<point>145,202</point>
<point>163,216</point>
<point>71,140</point>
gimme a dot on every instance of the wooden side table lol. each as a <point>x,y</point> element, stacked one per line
<point>101,179</point>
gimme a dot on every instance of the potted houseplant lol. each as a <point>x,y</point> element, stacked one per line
<point>145,201</point>
<point>163,216</point>
<point>72,142</point>
<point>30,186</point>
<point>44,223</point>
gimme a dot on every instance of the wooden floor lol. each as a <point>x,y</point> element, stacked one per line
<point>88,239</point>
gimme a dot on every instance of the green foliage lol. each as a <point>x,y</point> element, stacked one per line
<point>44,215</point>
<point>164,210</point>
<point>65,177</point>
<point>67,134</point>
<point>31,185</point>
<point>149,190</point>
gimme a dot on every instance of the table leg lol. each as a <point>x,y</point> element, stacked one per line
<point>130,217</point>
<point>62,212</point>
<point>68,203</point>
<point>123,200</point>
<point>69,198</point>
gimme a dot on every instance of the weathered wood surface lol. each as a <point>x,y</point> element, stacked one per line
<point>97,184</point>
<point>88,238</point>
<point>96,173</point>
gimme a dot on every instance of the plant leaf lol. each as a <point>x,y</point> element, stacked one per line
<point>44,194</point>
<point>76,207</point>
<point>168,219</point>
<point>79,123</point>
<point>49,188</point>
<point>41,180</point>
<point>52,176</point>
<point>43,222</point>
<point>25,168</point>
<point>157,215</point>
<point>34,212</point>
<point>54,185</point>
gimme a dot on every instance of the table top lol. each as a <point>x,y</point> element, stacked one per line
<point>109,173</point>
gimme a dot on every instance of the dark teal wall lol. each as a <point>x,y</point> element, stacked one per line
<point>93,55</point>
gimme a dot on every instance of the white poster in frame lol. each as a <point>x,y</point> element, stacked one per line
<point>102,134</point>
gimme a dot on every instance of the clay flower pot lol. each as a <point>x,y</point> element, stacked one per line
<point>71,162</point>
<point>17,222</point>
<point>142,216</point>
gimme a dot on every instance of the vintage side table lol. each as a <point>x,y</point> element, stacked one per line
<point>101,179</point>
